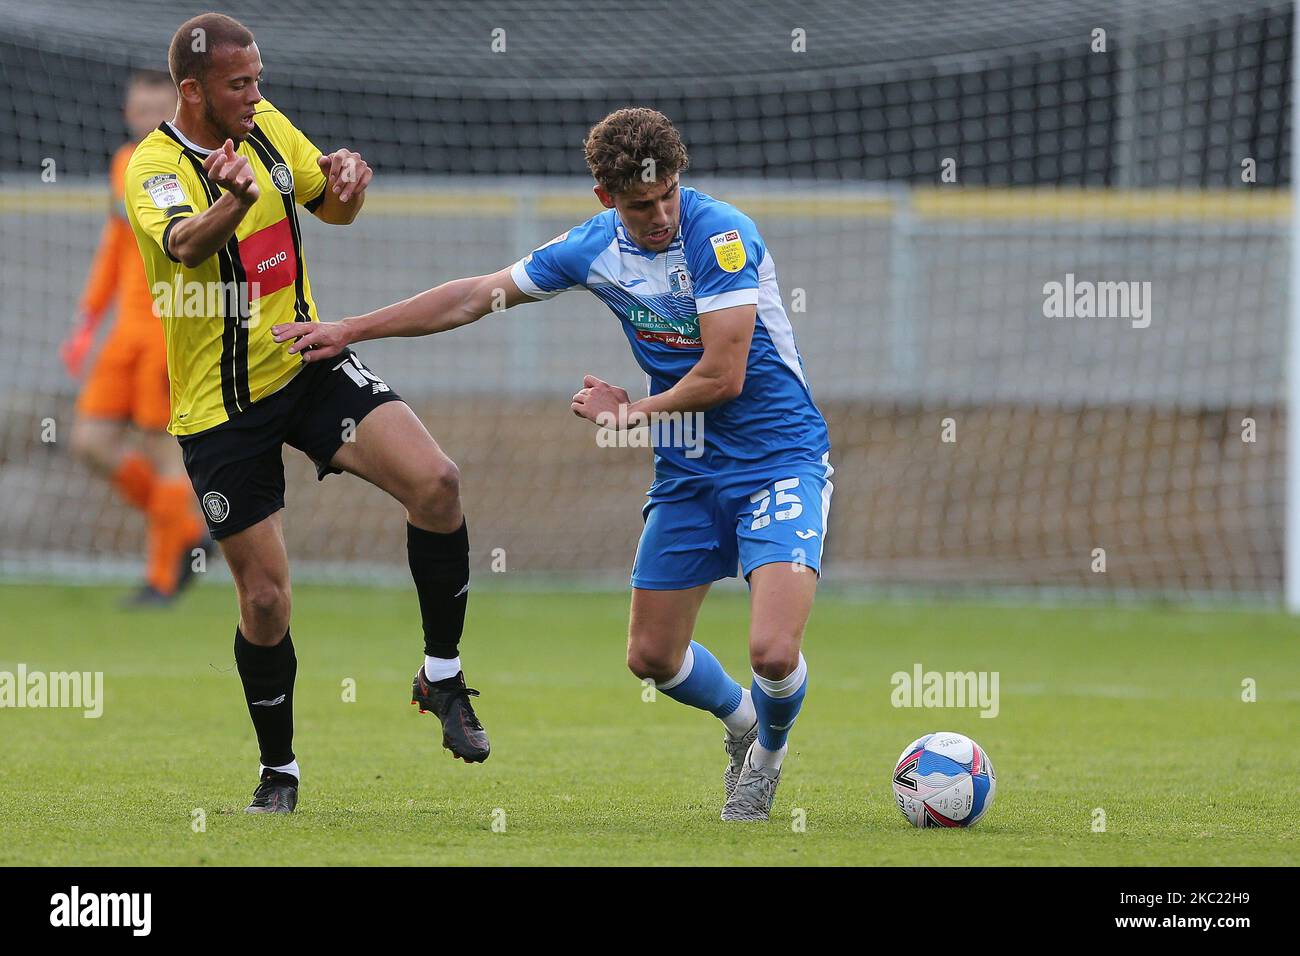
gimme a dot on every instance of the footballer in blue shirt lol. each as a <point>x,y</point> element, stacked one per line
<point>694,289</point>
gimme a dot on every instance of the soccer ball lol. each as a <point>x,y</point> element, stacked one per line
<point>944,780</point>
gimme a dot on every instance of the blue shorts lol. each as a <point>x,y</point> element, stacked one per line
<point>698,528</point>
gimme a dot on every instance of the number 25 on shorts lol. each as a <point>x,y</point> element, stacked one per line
<point>783,497</point>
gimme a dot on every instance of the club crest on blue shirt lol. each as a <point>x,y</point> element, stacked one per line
<point>679,277</point>
<point>679,281</point>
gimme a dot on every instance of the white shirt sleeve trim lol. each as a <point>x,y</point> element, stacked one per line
<point>725,300</point>
<point>526,284</point>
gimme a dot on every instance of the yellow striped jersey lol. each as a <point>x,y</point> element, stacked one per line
<point>217,317</point>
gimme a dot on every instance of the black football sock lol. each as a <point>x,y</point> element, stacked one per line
<point>268,673</point>
<point>440,567</point>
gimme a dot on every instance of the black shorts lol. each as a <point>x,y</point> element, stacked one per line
<point>236,467</point>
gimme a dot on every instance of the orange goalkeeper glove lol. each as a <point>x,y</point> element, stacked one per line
<point>77,346</point>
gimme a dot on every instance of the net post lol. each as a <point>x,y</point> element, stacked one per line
<point>1292,397</point>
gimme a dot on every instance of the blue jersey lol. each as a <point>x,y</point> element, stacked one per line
<point>717,260</point>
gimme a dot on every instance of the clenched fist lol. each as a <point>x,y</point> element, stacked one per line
<point>599,402</point>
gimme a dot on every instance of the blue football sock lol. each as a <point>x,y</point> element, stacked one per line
<point>777,704</point>
<point>703,683</point>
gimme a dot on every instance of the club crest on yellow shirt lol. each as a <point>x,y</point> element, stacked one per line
<point>282,178</point>
<point>729,250</point>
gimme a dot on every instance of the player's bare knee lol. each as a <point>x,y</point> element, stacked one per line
<point>774,662</point>
<point>265,601</point>
<point>643,668</point>
<point>446,480</point>
<point>437,498</point>
<point>649,662</point>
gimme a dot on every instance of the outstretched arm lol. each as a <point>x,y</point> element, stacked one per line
<point>448,306</point>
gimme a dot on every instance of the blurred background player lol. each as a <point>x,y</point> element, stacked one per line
<point>126,394</point>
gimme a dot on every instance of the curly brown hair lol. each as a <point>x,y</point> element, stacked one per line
<point>634,145</point>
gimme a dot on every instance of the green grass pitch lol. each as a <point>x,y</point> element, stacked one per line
<point>1138,712</point>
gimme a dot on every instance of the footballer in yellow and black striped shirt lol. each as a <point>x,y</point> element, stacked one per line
<point>217,368</point>
<point>212,198</point>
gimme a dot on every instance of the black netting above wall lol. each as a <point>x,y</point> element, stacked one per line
<point>1012,91</point>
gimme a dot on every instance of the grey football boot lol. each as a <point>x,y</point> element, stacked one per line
<point>737,747</point>
<point>754,793</point>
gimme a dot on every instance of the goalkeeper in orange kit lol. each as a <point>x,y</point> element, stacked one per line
<point>127,383</point>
